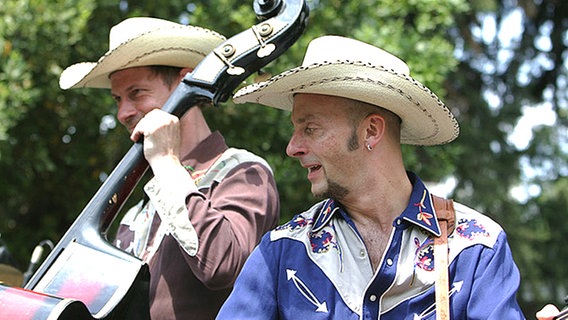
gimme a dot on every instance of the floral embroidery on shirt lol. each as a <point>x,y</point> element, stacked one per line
<point>471,229</point>
<point>298,222</point>
<point>423,215</point>
<point>424,254</point>
<point>322,241</point>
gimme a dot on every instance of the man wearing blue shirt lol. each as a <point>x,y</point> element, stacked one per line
<point>366,250</point>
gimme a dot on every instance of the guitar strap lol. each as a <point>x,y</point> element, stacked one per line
<point>446,219</point>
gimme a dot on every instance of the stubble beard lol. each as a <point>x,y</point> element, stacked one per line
<point>335,190</point>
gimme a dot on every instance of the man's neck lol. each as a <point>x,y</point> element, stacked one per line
<point>194,129</point>
<point>381,201</point>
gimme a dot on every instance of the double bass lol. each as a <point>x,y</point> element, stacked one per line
<point>86,277</point>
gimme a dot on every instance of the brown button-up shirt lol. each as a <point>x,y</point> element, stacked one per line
<point>196,238</point>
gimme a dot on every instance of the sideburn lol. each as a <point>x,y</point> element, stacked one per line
<point>353,142</point>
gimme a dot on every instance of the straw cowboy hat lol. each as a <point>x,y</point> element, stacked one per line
<point>143,41</point>
<point>352,69</point>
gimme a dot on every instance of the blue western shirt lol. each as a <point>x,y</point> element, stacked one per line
<point>316,266</point>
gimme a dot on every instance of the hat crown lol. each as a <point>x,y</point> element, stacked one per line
<point>143,41</point>
<point>342,67</point>
<point>336,48</point>
<point>132,28</point>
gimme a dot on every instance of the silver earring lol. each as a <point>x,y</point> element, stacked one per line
<point>369,147</point>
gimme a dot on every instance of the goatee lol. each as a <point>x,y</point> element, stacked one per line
<point>334,191</point>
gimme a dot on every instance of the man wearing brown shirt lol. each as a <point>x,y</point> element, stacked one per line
<point>208,204</point>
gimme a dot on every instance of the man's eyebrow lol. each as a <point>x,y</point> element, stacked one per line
<point>132,86</point>
<point>303,119</point>
<point>129,88</point>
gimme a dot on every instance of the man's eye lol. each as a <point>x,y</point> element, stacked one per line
<point>309,130</point>
<point>134,93</point>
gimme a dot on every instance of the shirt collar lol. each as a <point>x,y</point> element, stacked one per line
<point>329,208</point>
<point>420,210</point>
<point>206,152</point>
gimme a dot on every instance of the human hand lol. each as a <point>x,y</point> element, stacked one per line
<point>161,132</point>
<point>548,312</point>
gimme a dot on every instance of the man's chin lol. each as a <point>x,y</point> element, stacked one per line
<point>322,194</point>
<point>319,196</point>
<point>332,190</point>
<point>319,193</point>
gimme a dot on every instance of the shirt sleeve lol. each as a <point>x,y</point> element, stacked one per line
<point>494,283</point>
<point>168,193</point>
<point>254,294</point>
<point>219,227</point>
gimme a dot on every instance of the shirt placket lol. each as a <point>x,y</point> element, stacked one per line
<point>384,277</point>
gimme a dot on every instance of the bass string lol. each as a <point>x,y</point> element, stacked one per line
<point>563,315</point>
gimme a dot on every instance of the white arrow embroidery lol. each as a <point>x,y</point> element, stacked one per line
<point>305,291</point>
<point>456,287</point>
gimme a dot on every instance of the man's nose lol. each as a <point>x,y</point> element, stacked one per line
<point>295,147</point>
<point>126,111</point>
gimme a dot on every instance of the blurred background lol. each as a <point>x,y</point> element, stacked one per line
<point>499,65</point>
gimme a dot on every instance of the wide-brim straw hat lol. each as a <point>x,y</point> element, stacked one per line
<point>344,67</point>
<point>143,41</point>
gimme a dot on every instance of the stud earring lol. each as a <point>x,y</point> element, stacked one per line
<point>369,147</point>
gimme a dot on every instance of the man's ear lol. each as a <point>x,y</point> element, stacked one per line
<point>185,71</point>
<point>375,126</point>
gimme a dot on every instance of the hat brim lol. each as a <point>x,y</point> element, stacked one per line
<point>425,119</point>
<point>183,46</point>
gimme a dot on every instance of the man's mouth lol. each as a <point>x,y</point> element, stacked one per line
<point>314,168</point>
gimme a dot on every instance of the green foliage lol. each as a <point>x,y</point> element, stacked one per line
<point>34,119</point>
<point>16,85</point>
<point>490,165</point>
<point>552,206</point>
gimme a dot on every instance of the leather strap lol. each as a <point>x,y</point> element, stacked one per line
<point>446,218</point>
